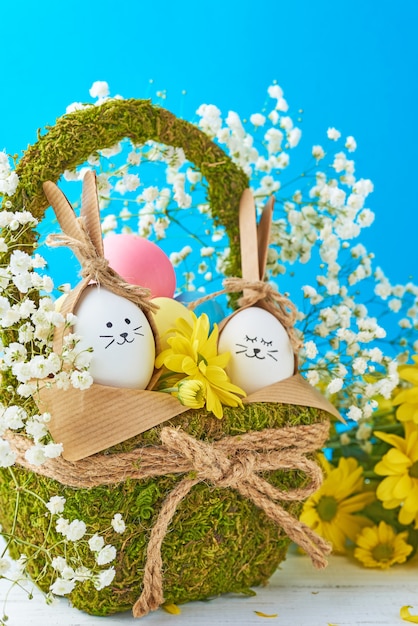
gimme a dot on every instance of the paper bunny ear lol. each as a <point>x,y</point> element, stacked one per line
<point>254,239</point>
<point>64,211</point>
<point>263,236</point>
<point>248,237</point>
<point>90,210</point>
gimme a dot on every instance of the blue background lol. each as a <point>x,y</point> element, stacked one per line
<point>351,65</point>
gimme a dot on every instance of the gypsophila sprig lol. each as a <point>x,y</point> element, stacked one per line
<point>29,317</point>
<point>318,220</point>
<point>75,554</point>
<point>346,313</point>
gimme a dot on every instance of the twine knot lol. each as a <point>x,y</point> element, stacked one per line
<point>259,291</point>
<point>239,462</point>
<point>234,462</point>
<point>209,462</point>
<point>95,267</point>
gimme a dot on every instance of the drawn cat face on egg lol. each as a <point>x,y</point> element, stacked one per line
<point>257,348</point>
<point>121,338</point>
<point>260,348</point>
<point>121,332</point>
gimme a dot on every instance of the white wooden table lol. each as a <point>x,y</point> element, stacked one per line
<point>344,594</point>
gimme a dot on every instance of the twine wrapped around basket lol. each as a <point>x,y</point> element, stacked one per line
<point>210,506</point>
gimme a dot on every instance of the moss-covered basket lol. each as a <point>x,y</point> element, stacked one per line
<point>218,542</point>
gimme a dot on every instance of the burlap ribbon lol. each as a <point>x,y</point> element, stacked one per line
<point>232,462</point>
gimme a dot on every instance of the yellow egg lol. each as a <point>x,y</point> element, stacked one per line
<point>167,314</point>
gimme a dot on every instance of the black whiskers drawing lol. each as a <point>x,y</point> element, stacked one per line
<point>124,336</point>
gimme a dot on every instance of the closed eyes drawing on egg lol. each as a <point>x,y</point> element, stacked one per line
<point>260,349</point>
<point>257,348</point>
<point>120,335</point>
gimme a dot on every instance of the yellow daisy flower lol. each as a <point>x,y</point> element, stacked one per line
<point>408,398</point>
<point>333,510</point>
<point>400,466</point>
<point>380,546</point>
<point>193,352</point>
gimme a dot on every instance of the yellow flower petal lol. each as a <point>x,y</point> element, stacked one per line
<point>393,440</point>
<point>403,487</point>
<point>407,412</point>
<point>406,395</point>
<point>261,614</point>
<point>171,608</point>
<point>406,615</point>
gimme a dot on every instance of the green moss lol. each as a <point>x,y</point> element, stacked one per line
<point>78,135</point>
<point>218,542</point>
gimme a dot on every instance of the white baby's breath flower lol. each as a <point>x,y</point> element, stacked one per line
<point>282,105</point>
<point>5,566</point>
<point>311,349</point>
<point>14,417</point>
<point>354,413</point>
<point>96,543</point>
<point>274,91</point>
<point>366,218</point>
<point>53,450</point>
<point>333,134</point>
<point>106,555</point>
<point>118,524</point>
<point>56,504</point>
<point>257,119</point>
<point>360,365</point>
<point>36,430</point>
<point>75,530</point>
<point>81,380</point>
<point>318,152</point>
<point>61,587</point>
<point>335,385</point>
<point>7,456</point>
<point>293,137</point>
<point>350,144</point>
<point>312,377</point>
<point>273,117</point>
<point>36,454</point>
<point>99,89</point>
<point>104,578</point>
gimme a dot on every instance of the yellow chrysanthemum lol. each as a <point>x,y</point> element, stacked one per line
<point>193,353</point>
<point>191,393</point>
<point>333,510</point>
<point>408,398</point>
<point>380,546</point>
<point>400,466</point>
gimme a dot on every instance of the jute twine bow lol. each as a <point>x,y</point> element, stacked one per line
<point>232,462</point>
<point>260,292</point>
<point>95,268</point>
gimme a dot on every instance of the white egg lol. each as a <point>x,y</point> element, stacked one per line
<point>261,352</point>
<point>121,338</point>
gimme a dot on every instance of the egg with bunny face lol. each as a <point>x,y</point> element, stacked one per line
<point>120,335</point>
<point>260,348</point>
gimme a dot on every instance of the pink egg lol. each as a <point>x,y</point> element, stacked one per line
<point>141,262</point>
